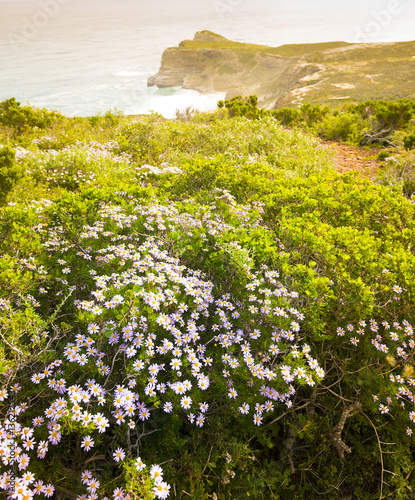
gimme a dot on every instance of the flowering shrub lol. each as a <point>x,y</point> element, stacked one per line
<point>73,165</point>
<point>154,337</point>
<point>230,320</point>
<point>344,242</point>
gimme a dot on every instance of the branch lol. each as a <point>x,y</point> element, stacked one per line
<point>288,445</point>
<point>281,416</point>
<point>93,459</point>
<point>336,435</point>
<point>381,455</point>
<point>112,366</point>
<point>207,462</point>
<point>11,346</point>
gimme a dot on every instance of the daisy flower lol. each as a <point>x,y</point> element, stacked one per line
<point>186,402</point>
<point>161,490</point>
<point>200,420</point>
<point>118,454</point>
<point>23,461</point>
<point>204,407</point>
<point>93,485</point>
<point>168,407</point>
<point>244,409</point>
<point>139,464</point>
<point>156,472</point>
<point>118,494</point>
<point>87,443</point>
<point>38,487</point>
<point>48,490</point>
<point>86,476</point>
<point>257,419</point>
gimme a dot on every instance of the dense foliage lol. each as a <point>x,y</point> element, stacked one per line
<point>202,307</point>
<point>387,127</point>
<point>10,172</point>
<point>21,118</point>
<point>384,123</point>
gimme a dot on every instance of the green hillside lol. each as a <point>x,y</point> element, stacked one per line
<point>291,75</point>
<point>204,308</point>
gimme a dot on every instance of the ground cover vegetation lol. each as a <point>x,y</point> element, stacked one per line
<point>388,126</point>
<point>203,308</point>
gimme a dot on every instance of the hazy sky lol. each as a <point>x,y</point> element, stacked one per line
<point>384,19</point>
<point>359,7</point>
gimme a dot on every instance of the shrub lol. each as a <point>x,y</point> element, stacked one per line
<point>198,373</point>
<point>239,106</point>
<point>383,155</point>
<point>10,172</point>
<point>289,117</point>
<point>409,141</point>
<point>370,122</point>
<point>344,127</point>
<point>20,117</point>
<point>312,114</point>
<point>345,245</point>
<point>398,173</point>
<point>387,114</point>
<point>260,267</point>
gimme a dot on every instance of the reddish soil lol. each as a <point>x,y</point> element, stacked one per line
<point>347,158</point>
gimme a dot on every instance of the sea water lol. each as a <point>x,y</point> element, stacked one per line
<point>87,57</point>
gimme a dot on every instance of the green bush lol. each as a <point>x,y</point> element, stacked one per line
<point>10,172</point>
<point>239,106</point>
<point>240,140</point>
<point>383,155</point>
<point>399,174</point>
<point>313,114</point>
<point>289,117</point>
<point>409,141</point>
<point>370,122</point>
<point>21,118</point>
<point>343,127</point>
<point>345,244</point>
<point>388,114</point>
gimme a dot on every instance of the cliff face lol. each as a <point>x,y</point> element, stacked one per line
<point>287,75</point>
<point>228,69</point>
<point>181,66</point>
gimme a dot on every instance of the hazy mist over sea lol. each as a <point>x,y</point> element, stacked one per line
<point>85,57</point>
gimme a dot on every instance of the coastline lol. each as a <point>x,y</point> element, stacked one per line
<point>289,75</point>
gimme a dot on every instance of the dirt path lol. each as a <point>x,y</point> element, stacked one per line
<point>348,158</point>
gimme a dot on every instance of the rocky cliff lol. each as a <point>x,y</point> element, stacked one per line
<point>290,74</point>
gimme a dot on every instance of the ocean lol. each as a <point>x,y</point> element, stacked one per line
<point>83,57</point>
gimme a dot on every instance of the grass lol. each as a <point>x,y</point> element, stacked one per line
<point>288,50</point>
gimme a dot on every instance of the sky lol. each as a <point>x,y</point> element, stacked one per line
<point>380,18</point>
<point>376,15</point>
